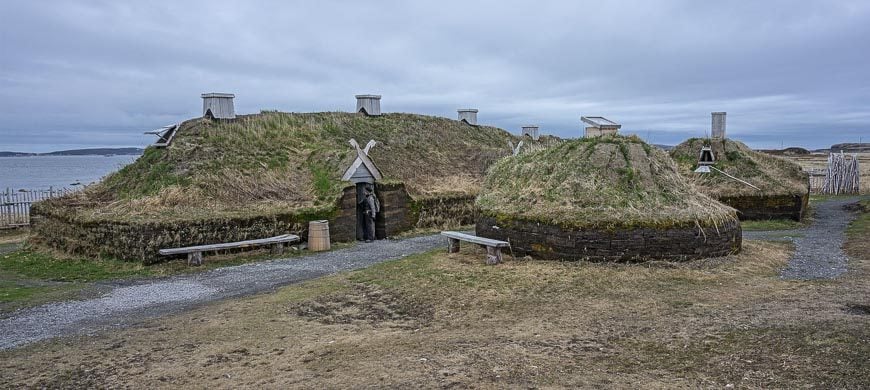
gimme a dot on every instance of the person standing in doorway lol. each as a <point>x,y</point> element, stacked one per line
<point>371,208</point>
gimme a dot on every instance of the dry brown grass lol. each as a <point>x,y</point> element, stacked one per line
<point>601,182</point>
<point>448,321</point>
<point>461,183</point>
<point>291,160</point>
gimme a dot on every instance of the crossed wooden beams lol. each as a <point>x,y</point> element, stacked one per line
<point>362,158</point>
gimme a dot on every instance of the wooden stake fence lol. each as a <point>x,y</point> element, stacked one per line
<point>15,205</point>
<point>842,175</point>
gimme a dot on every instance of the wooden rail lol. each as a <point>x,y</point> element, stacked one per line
<point>15,205</point>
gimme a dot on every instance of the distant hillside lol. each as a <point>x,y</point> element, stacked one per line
<point>851,147</point>
<point>792,151</point>
<point>81,152</point>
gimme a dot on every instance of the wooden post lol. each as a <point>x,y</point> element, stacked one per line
<point>194,258</point>
<point>277,248</point>
<point>493,255</point>
<point>452,245</point>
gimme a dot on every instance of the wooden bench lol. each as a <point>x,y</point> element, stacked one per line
<point>493,247</point>
<point>194,253</point>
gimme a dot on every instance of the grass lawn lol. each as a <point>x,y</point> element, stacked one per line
<point>439,320</point>
<point>772,224</point>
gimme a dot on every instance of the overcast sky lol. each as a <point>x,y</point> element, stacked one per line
<point>99,73</point>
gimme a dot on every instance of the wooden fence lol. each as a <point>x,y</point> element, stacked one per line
<point>817,179</point>
<point>841,176</point>
<point>15,205</point>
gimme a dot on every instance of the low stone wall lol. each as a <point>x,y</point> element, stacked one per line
<point>768,206</point>
<point>556,243</point>
<point>140,241</point>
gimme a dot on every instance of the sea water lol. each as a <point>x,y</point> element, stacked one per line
<point>42,172</point>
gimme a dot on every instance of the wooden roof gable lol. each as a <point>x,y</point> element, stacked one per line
<point>362,159</point>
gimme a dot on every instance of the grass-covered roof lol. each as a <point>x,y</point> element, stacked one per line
<point>773,175</point>
<point>279,162</point>
<point>601,182</point>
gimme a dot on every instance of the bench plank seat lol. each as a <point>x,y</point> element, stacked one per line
<point>194,253</point>
<point>493,247</point>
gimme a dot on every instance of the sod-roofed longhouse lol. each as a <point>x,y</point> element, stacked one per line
<point>779,188</point>
<point>602,198</point>
<point>270,173</point>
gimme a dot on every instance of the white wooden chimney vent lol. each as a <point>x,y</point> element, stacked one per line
<point>718,130</point>
<point>531,131</point>
<point>468,115</point>
<point>369,104</point>
<point>218,105</point>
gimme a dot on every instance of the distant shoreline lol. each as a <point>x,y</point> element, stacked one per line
<point>81,152</point>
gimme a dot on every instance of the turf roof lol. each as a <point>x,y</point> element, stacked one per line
<point>280,162</point>
<point>773,175</point>
<point>603,182</point>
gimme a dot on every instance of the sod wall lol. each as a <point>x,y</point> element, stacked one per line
<point>140,241</point>
<point>763,207</point>
<point>552,242</point>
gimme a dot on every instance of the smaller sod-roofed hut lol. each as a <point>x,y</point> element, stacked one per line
<point>602,198</point>
<point>779,187</point>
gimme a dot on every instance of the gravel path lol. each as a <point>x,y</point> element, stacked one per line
<point>818,247</point>
<point>126,305</point>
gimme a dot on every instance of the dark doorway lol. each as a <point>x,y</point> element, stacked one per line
<point>380,221</point>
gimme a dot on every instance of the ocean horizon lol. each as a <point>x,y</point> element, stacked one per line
<point>44,172</point>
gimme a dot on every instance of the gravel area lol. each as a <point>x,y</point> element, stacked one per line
<point>130,304</point>
<point>818,247</point>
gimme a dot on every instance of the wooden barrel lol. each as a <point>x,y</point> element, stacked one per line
<point>318,235</point>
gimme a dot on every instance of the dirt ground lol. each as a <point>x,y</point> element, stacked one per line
<point>438,320</point>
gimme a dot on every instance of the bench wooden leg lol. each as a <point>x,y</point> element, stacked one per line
<point>194,258</point>
<point>277,248</point>
<point>452,245</point>
<point>493,255</point>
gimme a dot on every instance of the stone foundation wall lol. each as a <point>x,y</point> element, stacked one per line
<point>768,207</point>
<point>140,241</point>
<point>556,243</point>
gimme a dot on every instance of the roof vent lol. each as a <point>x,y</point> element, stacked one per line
<point>218,106</point>
<point>368,104</point>
<point>705,160</point>
<point>531,131</point>
<point>599,125</point>
<point>718,125</point>
<point>468,115</point>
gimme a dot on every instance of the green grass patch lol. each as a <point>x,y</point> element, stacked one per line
<point>12,292</point>
<point>771,224</point>
<point>861,225</point>
<point>16,293</point>
<point>36,265</point>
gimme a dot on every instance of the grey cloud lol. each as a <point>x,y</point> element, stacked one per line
<point>99,72</point>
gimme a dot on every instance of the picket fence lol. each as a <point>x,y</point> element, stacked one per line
<point>15,204</point>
